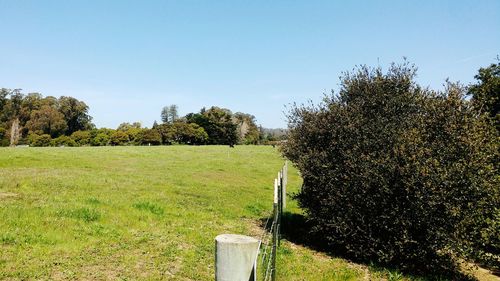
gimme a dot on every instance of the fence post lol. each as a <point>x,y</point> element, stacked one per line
<point>275,228</point>
<point>280,205</point>
<point>235,257</point>
<point>285,182</point>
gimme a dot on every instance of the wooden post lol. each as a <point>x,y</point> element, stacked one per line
<point>235,257</point>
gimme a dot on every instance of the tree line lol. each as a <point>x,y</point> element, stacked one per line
<point>31,119</point>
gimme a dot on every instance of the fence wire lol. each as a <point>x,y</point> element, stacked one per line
<point>270,237</point>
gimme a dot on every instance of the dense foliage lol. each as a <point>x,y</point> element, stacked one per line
<point>486,92</point>
<point>486,99</point>
<point>22,115</point>
<point>48,121</point>
<point>395,173</point>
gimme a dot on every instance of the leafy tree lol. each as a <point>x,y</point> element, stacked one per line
<point>82,137</point>
<point>165,114</point>
<point>486,92</point>
<point>39,140</point>
<point>486,99</point>
<point>194,134</point>
<point>134,135</point>
<point>75,114</point>
<point>184,133</point>
<point>248,132</point>
<point>4,141</point>
<point>218,124</point>
<point>30,103</point>
<point>174,114</point>
<point>101,139</point>
<point>11,108</point>
<point>4,93</point>
<point>47,120</point>
<point>149,137</point>
<point>394,173</point>
<point>127,126</point>
<point>119,138</point>
<point>63,141</point>
<point>3,132</point>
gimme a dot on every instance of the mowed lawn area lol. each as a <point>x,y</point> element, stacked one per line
<point>143,213</point>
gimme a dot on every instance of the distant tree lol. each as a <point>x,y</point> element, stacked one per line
<point>149,137</point>
<point>101,139</point>
<point>119,138</point>
<point>165,114</point>
<point>272,135</point>
<point>39,140</point>
<point>63,141</point>
<point>198,118</point>
<point>183,133</point>
<point>218,123</point>
<point>174,114</point>
<point>486,92</point>
<point>166,132</point>
<point>247,128</point>
<point>134,135</point>
<point>4,141</point>
<point>47,120</point>
<point>81,137</point>
<point>126,126</point>
<point>30,103</point>
<point>155,125</point>
<point>169,114</point>
<point>4,93</point>
<point>193,134</point>
<point>12,106</point>
<point>75,114</point>
<point>15,132</point>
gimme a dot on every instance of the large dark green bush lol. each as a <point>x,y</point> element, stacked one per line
<point>394,173</point>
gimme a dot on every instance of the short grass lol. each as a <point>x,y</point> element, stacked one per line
<point>147,213</point>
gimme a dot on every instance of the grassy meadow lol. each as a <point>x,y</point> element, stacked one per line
<point>143,213</point>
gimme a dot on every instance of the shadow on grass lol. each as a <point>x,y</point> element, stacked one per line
<point>296,229</point>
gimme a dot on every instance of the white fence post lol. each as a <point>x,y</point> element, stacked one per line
<point>285,181</point>
<point>235,257</point>
<point>275,191</point>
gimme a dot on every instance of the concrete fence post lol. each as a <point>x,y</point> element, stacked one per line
<point>285,181</point>
<point>235,257</point>
<point>275,191</point>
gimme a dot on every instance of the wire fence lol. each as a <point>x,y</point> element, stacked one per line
<point>271,235</point>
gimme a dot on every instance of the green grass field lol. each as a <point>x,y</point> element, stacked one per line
<point>147,213</point>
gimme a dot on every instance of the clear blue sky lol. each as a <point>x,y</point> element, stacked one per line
<point>127,59</point>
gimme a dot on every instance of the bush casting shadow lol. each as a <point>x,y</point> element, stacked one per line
<point>396,173</point>
<point>297,229</point>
